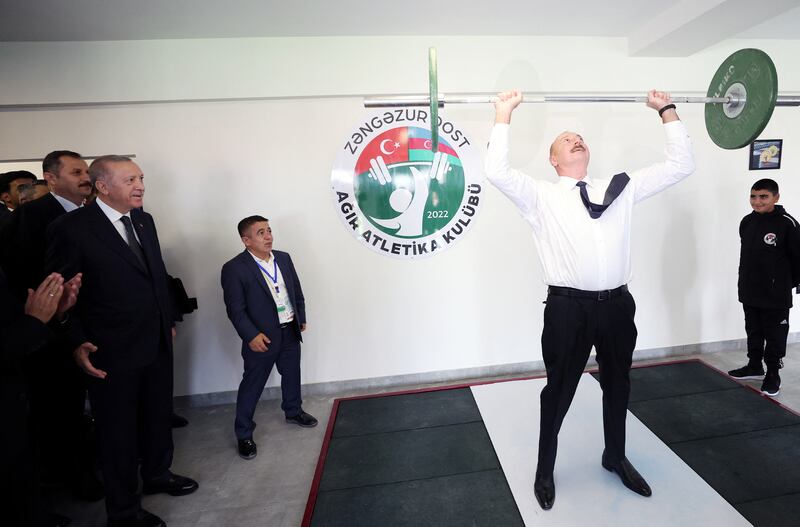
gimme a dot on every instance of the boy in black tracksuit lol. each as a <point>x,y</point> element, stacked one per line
<point>769,267</point>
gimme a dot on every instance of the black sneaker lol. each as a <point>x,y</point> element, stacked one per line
<point>747,372</point>
<point>247,449</point>
<point>772,384</point>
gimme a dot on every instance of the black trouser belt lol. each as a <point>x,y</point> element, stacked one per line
<point>580,293</point>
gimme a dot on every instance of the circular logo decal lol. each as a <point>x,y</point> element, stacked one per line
<point>770,238</point>
<point>396,195</point>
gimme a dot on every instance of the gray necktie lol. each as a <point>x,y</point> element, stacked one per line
<point>133,243</point>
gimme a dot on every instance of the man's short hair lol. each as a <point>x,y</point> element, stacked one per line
<point>247,222</point>
<point>99,167</point>
<point>29,189</point>
<point>8,177</point>
<point>52,161</point>
<point>766,184</point>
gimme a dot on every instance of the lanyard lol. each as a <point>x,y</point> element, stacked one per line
<point>273,278</point>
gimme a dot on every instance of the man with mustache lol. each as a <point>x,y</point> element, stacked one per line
<point>67,175</point>
<point>581,226</point>
<point>58,391</point>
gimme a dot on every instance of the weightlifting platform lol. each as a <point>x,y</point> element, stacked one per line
<point>714,451</point>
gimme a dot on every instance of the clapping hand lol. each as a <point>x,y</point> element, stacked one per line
<point>43,303</point>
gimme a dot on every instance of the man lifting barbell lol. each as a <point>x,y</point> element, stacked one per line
<point>581,226</point>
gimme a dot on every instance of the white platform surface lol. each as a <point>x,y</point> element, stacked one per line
<point>587,494</point>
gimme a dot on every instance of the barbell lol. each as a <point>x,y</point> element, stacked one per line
<point>739,102</point>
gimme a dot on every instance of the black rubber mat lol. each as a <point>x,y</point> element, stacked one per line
<point>405,412</point>
<point>681,378</point>
<point>407,455</point>
<point>748,467</point>
<point>413,459</point>
<point>478,498</point>
<point>710,414</point>
<point>740,442</point>
<point>783,511</point>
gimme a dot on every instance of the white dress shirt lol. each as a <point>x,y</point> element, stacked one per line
<point>114,217</point>
<point>576,250</point>
<point>67,204</point>
<point>281,298</point>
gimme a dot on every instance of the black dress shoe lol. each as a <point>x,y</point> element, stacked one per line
<point>247,449</point>
<point>544,488</point>
<point>178,421</point>
<point>303,419</point>
<point>142,519</point>
<point>629,476</point>
<point>171,484</point>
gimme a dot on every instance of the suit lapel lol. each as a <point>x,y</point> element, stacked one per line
<point>283,265</point>
<point>54,208</point>
<point>252,266</point>
<point>102,228</point>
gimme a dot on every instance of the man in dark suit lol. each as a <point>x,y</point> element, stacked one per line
<point>123,322</point>
<point>265,303</point>
<point>9,192</point>
<point>58,389</point>
<point>9,187</point>
<point>67,174</point>
<point>23,331</point>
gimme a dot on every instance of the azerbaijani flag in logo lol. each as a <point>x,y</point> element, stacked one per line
<point>398,145</point>
<point>419,146</point>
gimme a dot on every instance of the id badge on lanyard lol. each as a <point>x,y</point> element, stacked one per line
<point>274,279</point>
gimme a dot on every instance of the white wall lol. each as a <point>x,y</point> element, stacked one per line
<point>208,164</point>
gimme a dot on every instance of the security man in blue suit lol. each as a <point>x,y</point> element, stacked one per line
<point>265,303</point>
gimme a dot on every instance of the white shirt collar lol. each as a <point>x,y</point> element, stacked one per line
<point>267,261</point>
<point>570,182</point>
<point>113,214</point>
<point>67,204</point>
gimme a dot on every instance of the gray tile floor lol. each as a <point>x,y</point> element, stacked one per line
<point>272,489</point>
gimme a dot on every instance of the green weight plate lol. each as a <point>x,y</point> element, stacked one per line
<point>749,73</point>
<point>434,96</point>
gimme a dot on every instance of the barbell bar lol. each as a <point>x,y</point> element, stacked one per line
<point>739,101</point>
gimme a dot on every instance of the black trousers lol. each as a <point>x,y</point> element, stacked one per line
<point>58,397</point>
<point>257,367</point>
<point>133,410</point>
<point>766,330</point>
<point>572,325</point>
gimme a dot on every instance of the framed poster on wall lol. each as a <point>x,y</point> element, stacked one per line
<point>765,154</point>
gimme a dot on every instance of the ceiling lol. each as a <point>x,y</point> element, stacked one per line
<point>672,27</point>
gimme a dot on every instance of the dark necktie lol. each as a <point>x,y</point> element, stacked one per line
<point>615,188</point>
<point>133,243</point>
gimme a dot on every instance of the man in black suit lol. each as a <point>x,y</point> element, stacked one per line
<point>67,174</point>
<point>9,192</point>
<point>122,331</point>
<point>265,303</point>
<point>9,187</point>
<point>58,389</point>
<point>23,331</point>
